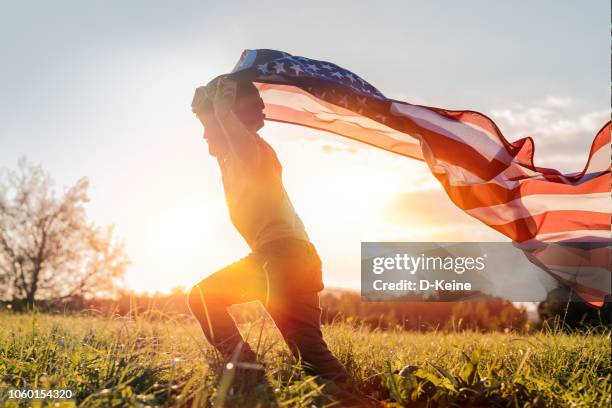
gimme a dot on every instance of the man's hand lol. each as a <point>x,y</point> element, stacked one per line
<point>225,96</point>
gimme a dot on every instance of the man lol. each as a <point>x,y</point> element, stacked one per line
<point>283,271</point>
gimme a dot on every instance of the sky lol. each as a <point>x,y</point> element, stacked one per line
<point>102,89</point>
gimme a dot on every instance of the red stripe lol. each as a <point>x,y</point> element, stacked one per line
<point>489,194</point>
<point>457,153</point>
<point>602,139</point>
<point>554,221</point>
<point>287,115</point>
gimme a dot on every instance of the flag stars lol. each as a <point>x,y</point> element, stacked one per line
<point>327,66</point>
<point>279,67</point>
<point>350,77</point>
<point>337,74</point>
<point>313,68</point>
<point>297,69</point>
<point>263,68</point>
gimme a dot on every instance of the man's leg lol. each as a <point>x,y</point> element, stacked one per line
<point>240,282</point>
<point>298,317</point>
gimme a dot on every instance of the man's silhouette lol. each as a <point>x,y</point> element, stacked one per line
<point>283,271</point>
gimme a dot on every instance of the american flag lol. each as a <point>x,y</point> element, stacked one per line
<point>561,221</point>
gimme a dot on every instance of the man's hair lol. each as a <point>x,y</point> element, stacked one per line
<point>202,102</point>
<point>204,95</point>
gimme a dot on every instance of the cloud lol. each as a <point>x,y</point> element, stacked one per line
<point>562,131</point>
<point>558,101</point>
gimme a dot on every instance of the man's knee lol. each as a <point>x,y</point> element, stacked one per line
<point>200,296</point>
<point>204,294</point>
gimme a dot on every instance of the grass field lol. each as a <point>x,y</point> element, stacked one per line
<point>142,362</point>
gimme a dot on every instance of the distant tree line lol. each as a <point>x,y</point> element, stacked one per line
<point>337,305</point>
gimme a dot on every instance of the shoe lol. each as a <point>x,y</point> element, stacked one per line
<point>246,376</point>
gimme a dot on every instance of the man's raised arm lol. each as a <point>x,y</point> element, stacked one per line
<point>242,141</point>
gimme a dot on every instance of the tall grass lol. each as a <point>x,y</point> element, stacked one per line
<point>139,361</point>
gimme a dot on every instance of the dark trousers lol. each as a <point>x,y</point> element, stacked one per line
<point>285,276</point>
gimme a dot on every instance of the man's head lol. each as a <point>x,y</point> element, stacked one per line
<point>248,108</point>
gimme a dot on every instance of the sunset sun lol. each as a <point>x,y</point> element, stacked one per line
<point>175,234</point>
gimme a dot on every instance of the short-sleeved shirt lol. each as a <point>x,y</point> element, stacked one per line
<point>258,204</point>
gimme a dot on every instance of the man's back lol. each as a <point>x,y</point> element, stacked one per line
<point>258,203</point>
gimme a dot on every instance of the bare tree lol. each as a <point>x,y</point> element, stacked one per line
<point>48,247</point>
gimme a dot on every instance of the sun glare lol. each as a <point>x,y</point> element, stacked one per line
<point>344,196</point>
<point>175,234</point>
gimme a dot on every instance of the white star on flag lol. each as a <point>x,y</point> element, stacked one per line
<point>313,67</point>
<point>297,69</point>
<point>279,67</point>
